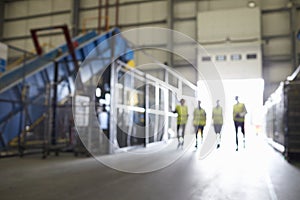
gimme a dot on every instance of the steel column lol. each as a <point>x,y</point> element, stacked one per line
<point>54,105</point>
<point>156,107</point>
<point>170,21</point>
<point>99,16</point>
<point>146,139</point>
<point>293,25</point>
<point>117,13</point>
<point>75,17</point>
<point>2,5</point>
<point>106,15</point>
<point>196,38</point>
<point>113,102</point>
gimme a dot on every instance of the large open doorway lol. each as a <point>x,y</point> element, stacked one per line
<point>250,92</point>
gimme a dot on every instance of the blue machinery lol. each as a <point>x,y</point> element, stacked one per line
<point>36,99</point>
<point>26,93</point>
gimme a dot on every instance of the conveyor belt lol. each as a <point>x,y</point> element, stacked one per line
<point>37,74</point>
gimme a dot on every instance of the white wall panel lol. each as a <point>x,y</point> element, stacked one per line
<point>127,1</point>
<point>39,6</point>
<point>37,22</point>
<point>186,50</point>
<point>60,19</point>
<point>21,43</point>
<point>90,18</point>
<point>86,19</point>
<point>142,58</point>
<point>269,4</point>
<point>229,4</point>
<point>185,9</point>
<point>186,27</point>
<point>89,3</point>
<point>15,28</point>
<point>146,12</point>
<point>29,43</point>
<point>150,38</point>
<point>211,28</point>
<point>234,69</point>
<point>129,14</point>
<point>89,14</point>
<point>159,10</point>
<point>276,23</point>
<point>160,25</point>
<point>152,11</point>
<point>22,27</point>
<point>16,43</point>
<point>278,47</point>
<point>188,73</point>
<point>59,5</point>
<point>220,25</point>
<point>112,17</point>
<point>16,9</point>
<point>160,55</point>
<point>33,7</point>
<point>220,5</point>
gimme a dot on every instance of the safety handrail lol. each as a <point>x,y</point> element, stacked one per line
<point>168,69</point>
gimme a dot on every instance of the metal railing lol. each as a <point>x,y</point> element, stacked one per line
<point>145,104</point>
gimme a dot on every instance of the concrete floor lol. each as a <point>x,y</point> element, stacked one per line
<point>256,172</point>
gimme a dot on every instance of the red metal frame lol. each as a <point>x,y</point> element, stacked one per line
<point>67,35</point>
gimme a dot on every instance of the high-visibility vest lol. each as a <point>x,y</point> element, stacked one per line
<point>182,112</point>
<point>217,115</point>
<point>239,112</point>
<point>199,117</point>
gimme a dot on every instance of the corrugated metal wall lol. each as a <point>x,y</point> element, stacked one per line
<point>279,23</point>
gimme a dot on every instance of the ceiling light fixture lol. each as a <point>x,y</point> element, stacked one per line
<point>251,4</point>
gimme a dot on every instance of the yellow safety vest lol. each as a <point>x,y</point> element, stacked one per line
<point>239,112</point>
<point>182,112</point>
<point>217,115</point>
<point>199,117</point>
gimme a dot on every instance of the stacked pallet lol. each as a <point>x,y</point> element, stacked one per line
<point>282,119</point>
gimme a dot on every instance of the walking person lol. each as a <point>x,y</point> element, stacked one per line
<point>199,121</point>
<point>182,111</point>
<point>239,112</point>
<point>217,116</point>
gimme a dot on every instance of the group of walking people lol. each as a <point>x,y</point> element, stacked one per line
<point>199,120</point>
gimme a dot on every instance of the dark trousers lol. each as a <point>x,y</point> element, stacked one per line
<point>218,128</point>
<point>183,129</point>
<point>196,131</point>
<point>237,125</point>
